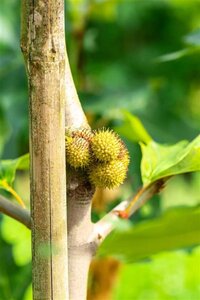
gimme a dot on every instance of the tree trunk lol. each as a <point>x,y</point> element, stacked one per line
<point>54,105</point>
<point>43,46</point>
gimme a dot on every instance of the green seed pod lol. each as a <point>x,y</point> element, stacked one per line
<point>105,145</point>
<point>77,152</point>
<point>108,175</point>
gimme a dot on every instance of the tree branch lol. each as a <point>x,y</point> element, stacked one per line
<point>14,211</point>
<point>74,115</point>
<point>80,226</point>
<point>124,210</point>
<point>79,201</point>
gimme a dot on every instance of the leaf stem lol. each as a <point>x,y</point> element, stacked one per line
<point>125,209</point>
<point>13,192</point>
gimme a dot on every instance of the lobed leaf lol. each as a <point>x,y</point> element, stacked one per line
<point>133,128</point>
<point>9,167</point>
<point>177,228</point>
<point>160,161</point>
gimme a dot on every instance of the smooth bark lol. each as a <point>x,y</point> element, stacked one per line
<point>43,46</point>
<point>79,201</point>
<point>80,227</point>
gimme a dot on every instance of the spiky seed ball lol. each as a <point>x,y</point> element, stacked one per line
<point>83,133</point>
<point>77,152</point>
<point>124,155</point>
<point>105,145</point>
<point>108,175</point>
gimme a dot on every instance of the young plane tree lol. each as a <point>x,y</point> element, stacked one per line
<point>64,239</point>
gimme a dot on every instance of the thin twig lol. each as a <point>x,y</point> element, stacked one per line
<point>124,210</point>
<point>14,211</point>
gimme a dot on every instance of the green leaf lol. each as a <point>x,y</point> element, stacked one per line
<point>23,162</point>
<point>133,129</point>
<point>19,237</point>
<point>160,161</point>
<point>8,168</point>
<point>169,275</point>
<point>29,294</point>
<point>178,228</point>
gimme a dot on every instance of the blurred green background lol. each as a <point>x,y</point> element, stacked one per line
<point>140,56</point>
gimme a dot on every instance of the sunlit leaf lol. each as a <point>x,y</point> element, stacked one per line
<point>186,189</point>
<point>177,228</point>
<point>160,161</point>
<point>28,294</point>
<point>8,168</point>
<point>80,10</point>
<point>23,162</point>
<point>169,275</point>
<point>19,237</point>
<point>133,129</point>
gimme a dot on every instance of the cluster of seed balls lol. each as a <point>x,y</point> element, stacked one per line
<point>102,155</point>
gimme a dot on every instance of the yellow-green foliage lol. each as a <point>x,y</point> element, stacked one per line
<point>101,153</point>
